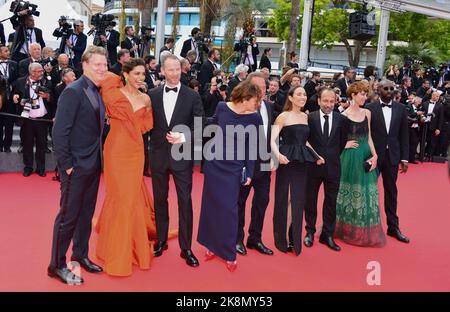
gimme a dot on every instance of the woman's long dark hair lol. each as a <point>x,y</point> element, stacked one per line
<point>129,65</point>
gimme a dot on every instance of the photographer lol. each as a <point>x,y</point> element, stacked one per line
<point>131,43</point>
<point>213,96</point>
<point>35,57</point>
<point>249,50</point>
<point>208,68</point>
<point>32,95</point>
<point>63,63</point>
<point>9,72</point>
<point>168,46</point>
<point>122,57</point>
<point>196,44</point>
<point>313,84</point>
<point>26,33</point>
<point>425,91</point>
<point>112,41</point>
<point>240,74</point>
<point>185,69</point>
<point>76,43</point>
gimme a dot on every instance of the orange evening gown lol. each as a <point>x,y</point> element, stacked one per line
<point>126,226</point>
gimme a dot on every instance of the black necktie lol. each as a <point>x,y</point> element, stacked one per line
<point>386,105</point>
<point>326,127</point>
<point>171,89</point>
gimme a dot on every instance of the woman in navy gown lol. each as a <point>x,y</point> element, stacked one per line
<point>293,155</point>
<point>227,155</point>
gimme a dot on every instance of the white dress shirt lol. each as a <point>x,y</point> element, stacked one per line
<point>265,117</point>
<point>322,121</point>
<point>169,101</point>
<point>387,113</point>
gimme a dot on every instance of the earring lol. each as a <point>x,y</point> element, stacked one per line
<point>126,80</point>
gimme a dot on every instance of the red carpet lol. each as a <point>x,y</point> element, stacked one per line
<point>29,205</point>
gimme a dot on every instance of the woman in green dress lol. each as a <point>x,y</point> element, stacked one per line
<point>358,219</point>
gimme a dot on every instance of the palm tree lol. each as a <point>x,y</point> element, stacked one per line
<point>293,26</point>
<point>423,52</point>
<point>240,12</point>
<point>209,12</point>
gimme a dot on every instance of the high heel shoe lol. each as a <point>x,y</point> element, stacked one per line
<point>232,265</point>
<point>209,255</point>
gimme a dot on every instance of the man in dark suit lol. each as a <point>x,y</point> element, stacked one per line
<point>63,63</point>
<point>168,46</point>
<point>406,89</point>
<point>34,132</point>
<point>193,44</point>
<point>389,129</point>
<point>433,113</point>
<point>415,121</point>
<point>25,34</point>
<point>77,138</point>
<point>123,56</point>
<point>175,107</point>
<point>260,181</point>
<point>2,35</point>
<point>112,40</point>
<point>345,81</point>
<point>9,70</point>
<point>35,57</point>
<point>328,136</point>
<point>208,68</point>
<point>131,43</point>
<point>76,43</point>
<point>312,85</point>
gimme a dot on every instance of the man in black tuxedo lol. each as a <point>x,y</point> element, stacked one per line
<point>328,136</point>
<point>63,63</point>
<point>260,181</point>
<point>193,44</point>
<point>389,129</point>
<point>131,43</point>
<point>112,40</point>
<point>35,57</point>
<point>33,131</point>
<point>345,81</point>
<point>152,78</point>
<point>208,68</point>
<point>174,106</point>
<point>168,46</point>
<point>9,70</point>
<point>25,34</point>
<point>77,138</point>
<point>433,113</point>
<point>415,120</point>
<point>406,89</point>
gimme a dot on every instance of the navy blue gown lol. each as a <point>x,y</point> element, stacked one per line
<point>218,225</point>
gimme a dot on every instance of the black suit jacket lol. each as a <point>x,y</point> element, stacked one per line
<point>13,71</point>
<point>126,44</point>
<point>78,48</point>
<point>2,34</point>
<point>340,83</point>
<point>22,88</point>
<point>265,62</point>
<point>330,150</point>
<point>77,131</point>
<point>23,67</point>
<point>436,119</point>
<point>187,46</point>
<point>206,73</point>
<point>187,107</point>
<point>266,141</point>
<point>13,74</point>
<point>396,142</point>
<point>19,38</point>
<point>112,44</point>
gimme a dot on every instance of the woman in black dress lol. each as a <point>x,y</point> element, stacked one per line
<point>223,170</point>
<point>293,154</point>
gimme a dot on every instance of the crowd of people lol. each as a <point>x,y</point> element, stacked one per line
<point>130,114</point>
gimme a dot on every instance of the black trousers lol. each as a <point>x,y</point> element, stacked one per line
<point>6,131</point>
<point>414,138</point>
<point>432,145</point>
<point>74,220</point>
<point>444,138</point>
<point>183,184</point>
<point>261,187</point>
<point>34,133</point>
<point>290,184</point>
<point>389,173</point>
<point>331,187</point>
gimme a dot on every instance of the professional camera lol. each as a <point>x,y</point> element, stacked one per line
<point>18,6</point>
<point>26,103</point>
<point>42,89</point>
<point>101,22</point>
<point>64,27</point>
<point>146,33</point>
<point>48,61</point>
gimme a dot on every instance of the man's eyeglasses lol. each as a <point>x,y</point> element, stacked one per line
<point>388,88</point>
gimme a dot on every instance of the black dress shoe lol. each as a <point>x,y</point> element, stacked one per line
<point>159,248</point>
<point>290,247</point>
<point>260,247</point>
<point>398,235</point>
<point>65,276</point>
<point>329,241</point>
<point>309,240</point>
<point>88,265</point>
<point>240,248</point>
<point>41,173</point>
<point>191,260</point>
<point>7,150</point>
<point>27,171</point>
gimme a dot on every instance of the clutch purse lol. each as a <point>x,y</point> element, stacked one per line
<point>244,176</point>
<point>367,164</point>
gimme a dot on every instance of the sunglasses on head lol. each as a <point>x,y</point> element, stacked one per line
<point>388,88</point>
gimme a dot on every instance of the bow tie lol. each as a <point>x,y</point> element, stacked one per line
<point>171,89</point>
<point>386,105</point>
<point>3,62</point>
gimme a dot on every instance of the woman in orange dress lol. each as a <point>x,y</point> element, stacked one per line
<point>126,226</point>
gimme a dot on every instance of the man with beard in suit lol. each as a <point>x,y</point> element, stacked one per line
<point>131,43</point>
<point>328,136</point>
<point>174,105</point>
<point>260,182</point>
<point>10,71</point>
<point>389,129</point>
<point>25,35</point>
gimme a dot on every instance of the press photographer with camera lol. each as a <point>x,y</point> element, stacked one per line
<point>208,68</point>
<point>34,57</point>
<point>131,42</point>
<point>240,74</point>
<point>197,44</point>
<point>112,40</point>
<point>9,71</point>
<point>32,95</point>
<point>76,43</point>
<point>26,33</point>
<point>248,49</point>
<point>425,91</point>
